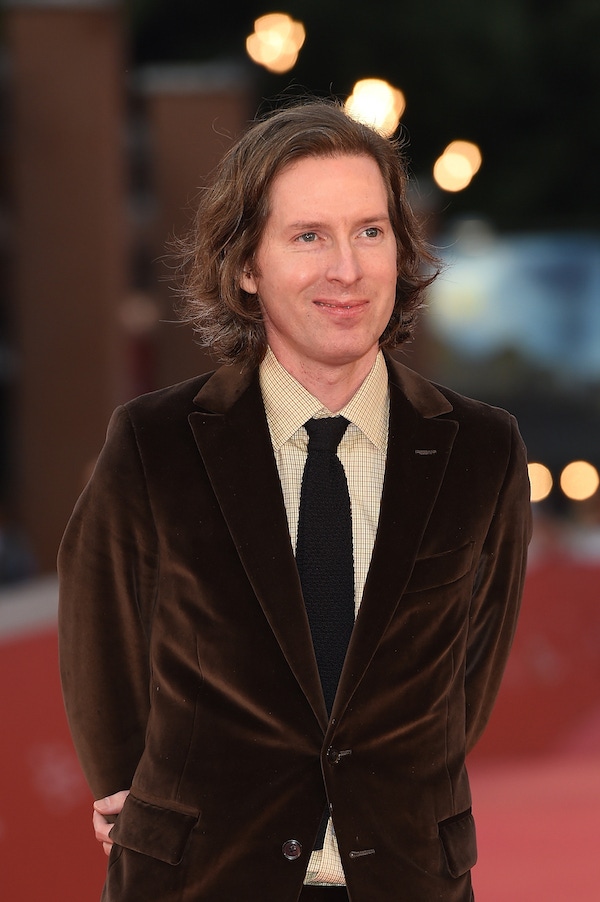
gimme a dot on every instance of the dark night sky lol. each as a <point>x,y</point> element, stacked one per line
<point>519,77</point>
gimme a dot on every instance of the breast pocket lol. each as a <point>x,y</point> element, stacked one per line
<point>441,569</point>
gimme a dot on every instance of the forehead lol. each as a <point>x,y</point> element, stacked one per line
<point>328,181</point>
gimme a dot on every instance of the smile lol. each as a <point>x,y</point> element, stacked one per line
<point>331,305</point>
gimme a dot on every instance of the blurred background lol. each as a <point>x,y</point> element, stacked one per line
<point>112,116</point>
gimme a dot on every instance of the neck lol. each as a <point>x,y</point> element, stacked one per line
<point>333,386</point>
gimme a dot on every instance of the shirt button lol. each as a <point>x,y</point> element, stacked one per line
<point>291,849</point>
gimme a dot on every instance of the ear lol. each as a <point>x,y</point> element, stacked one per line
<point>248,281</point>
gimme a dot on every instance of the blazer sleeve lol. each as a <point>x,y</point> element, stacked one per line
<point>108,570</point>
<point>498,589</point>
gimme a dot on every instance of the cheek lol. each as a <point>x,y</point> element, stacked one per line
<point>287,284</point>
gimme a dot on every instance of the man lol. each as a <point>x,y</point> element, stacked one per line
<point>273,752</point>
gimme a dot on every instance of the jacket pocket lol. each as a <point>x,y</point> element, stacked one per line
<point>162,833</point>
<point>459,842</point>
<point>441,569</point>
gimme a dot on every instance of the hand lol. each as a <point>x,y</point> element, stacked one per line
<point>105,811</point>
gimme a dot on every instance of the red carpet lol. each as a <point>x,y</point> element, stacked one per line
<point>535,775</point>
<point>537,827</point>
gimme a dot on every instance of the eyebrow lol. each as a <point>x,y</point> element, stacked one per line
<point>310,225</point>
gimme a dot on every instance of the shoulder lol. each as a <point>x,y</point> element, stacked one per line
<point>165,404</point>
<point>156,420</point>
<point>467,408</point>
<point>490,433</point>
<point>484,430</point>
<point>430,399</point>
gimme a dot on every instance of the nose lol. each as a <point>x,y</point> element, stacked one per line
<point>344,264</point>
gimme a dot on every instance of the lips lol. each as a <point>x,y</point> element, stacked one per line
<point>340,305</point>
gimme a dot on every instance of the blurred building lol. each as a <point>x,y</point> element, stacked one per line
<point>101,167</point>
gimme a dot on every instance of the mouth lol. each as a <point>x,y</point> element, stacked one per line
<point>333,305</point>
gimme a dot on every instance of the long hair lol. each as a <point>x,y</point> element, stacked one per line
<point>233,211</point>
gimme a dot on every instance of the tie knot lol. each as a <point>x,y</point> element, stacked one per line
<point>325,434</point>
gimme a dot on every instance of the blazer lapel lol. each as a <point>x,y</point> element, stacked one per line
<point>232,435</point>
<point>419,446</point>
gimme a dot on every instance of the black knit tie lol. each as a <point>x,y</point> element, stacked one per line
<point>324,550</point>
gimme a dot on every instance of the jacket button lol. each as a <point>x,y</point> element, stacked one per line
<point>333,756</point>
<point>291,849</point>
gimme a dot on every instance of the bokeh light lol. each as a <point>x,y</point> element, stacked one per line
<point>455,168</point>
<point>541,481</point>
<point>579,480</point>
<point>377,103</point>
<point>276,42</point>
<point>469,151</point>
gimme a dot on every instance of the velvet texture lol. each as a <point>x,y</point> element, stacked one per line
<point>187,663</point>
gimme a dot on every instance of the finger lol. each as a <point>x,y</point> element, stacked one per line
<point>111,804</point>
<point>102,828</point>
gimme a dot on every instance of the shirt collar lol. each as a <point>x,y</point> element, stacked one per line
<point>288,405</point>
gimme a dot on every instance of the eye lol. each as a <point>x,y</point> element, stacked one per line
<point>307,237</point>
<point>372,232</point>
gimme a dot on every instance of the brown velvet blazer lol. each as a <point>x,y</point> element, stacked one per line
<point>187,661</point>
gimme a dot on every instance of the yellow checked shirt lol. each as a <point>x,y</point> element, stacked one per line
<point>362,451</point>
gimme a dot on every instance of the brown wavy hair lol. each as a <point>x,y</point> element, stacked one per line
<point>233,211</point>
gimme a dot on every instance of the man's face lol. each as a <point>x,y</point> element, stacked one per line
<point>325,271</point>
